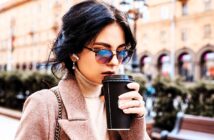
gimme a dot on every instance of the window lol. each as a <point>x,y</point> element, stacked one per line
<point>207,4</point>
<point>207,31</point>
<point>164,12</point>
<point>207,65</point>
<point>5,67</point>
<point>163,36</point>
<point>184,9</point>
<point>145,39</point>
<point>185,66</point>
<point>145,15</point>
<point>146,66</point>
<point>184,35</point>
<point>165,65</point>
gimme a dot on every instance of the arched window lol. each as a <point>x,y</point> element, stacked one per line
<point>207,65</point>
<point>30,66</point>
<point>38,66</point>
<point>164,65</point>
<point>146,66</point>
<point>17,66</point>
<point>24,67</point>
<point>185,66</point>
<point>5,67</point>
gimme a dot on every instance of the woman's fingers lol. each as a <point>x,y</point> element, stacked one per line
<point>130,95</point>
<point>135,86</point>
<point>140,111</point>
<point>130,104</point>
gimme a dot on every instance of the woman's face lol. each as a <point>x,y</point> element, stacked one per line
<point>112,38</point>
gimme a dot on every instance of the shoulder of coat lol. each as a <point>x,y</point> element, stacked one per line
<point>44,95</point>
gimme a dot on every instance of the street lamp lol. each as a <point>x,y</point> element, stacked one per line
<point>134,10</point>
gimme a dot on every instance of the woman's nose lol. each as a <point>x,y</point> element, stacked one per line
<point>114,60</point>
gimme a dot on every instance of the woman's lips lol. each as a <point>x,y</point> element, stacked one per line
<point>108,73</point>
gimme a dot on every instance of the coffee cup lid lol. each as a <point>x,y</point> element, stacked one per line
<point>118,78</point>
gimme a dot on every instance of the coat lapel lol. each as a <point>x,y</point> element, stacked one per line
<point>77,124</point>
<point>77,129</point>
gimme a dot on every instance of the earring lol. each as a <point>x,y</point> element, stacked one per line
<point>74,67</point>
<point>74,59</point>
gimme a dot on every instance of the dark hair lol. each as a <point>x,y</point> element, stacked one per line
<point>80,26</point>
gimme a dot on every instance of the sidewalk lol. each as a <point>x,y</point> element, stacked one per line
<point>9,121</point>
<point>8,127</point>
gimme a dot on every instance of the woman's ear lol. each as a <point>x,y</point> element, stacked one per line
<point>74,58</point>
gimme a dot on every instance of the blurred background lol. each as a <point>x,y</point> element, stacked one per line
<point>173,62</point>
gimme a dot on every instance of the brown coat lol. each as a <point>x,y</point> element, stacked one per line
<point>41,109</point>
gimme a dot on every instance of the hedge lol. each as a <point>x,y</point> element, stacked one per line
<point>176,96</point>
<point>16,86</point>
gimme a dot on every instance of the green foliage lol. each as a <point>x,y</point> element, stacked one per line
<point>167,93</point>
<point>2,87</point>
<point>36,81</point>
<point>198,96</point>
<point>16,86</point>
<point>201,100</point>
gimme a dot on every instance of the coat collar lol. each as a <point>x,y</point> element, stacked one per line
<point>73,100</point>
<point>77,124</point>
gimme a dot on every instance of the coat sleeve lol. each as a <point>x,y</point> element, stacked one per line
<point>137,130</point>
<point>34,123</point>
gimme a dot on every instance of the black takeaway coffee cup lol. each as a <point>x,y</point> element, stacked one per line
<point>114,86</point>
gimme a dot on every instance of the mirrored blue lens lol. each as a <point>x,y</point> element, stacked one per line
<point>104,56</point>
<point>123,56</point>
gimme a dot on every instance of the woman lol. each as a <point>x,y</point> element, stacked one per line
<point>94,40</point>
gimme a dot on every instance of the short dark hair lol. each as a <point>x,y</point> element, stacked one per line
<point>81,25</point>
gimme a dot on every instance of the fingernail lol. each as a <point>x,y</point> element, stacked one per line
<point>121,96</point>
<point>129,85</point>
<point>125,111</point>
<point>120,106</point>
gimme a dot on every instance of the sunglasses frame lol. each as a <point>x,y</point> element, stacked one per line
<point>96,52</point>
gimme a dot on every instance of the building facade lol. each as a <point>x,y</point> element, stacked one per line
<point>180,32</point>
<point>176,32</point>
<point>28,29</point>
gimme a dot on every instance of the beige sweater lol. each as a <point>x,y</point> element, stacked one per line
<point>95,105</point>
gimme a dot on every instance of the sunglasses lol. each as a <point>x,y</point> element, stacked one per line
<point>104,56</point>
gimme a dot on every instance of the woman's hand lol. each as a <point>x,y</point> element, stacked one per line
<point>132,102</point>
